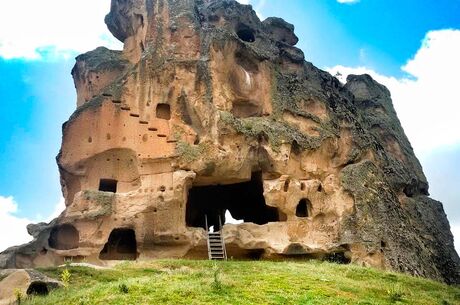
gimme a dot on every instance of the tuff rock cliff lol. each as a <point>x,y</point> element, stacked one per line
<point>207,110</point>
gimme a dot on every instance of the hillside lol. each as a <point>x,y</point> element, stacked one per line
<point>244,282</point>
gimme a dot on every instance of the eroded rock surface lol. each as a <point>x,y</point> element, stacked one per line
<point>208,109</point>
<point>27,282</point>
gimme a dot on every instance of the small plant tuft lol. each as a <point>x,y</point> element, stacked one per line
<point>123,288</point>
<point>68,261</point>
<point>216,284</point>
<point>65,278</point>
<point>396,293</point>
<point>18,295</point>
<point>84,301</point>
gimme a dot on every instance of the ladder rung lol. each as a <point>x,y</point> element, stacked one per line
<point>216,245</point>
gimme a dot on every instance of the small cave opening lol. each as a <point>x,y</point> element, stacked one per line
<point>238,253</point>
<point>37,288</point>
<point>163,111</point>
<point>245,201</point>
<point>121,245</point>
<point>108,185</point>
<point>64,237</point>
<point>246,34</point>
<point>338,258</point>
<point>302,208</point>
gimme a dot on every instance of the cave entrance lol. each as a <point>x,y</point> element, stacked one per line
<point>37,288</point>
<point>120,246</point>
<point>245,201</point>
<point>245,33</point>
<point>163,111</point>
<point>64,237</point>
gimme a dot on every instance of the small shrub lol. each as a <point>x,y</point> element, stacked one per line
<point>68,261</point>
<point>396,293</point>
<point>123,288</point>
<point>65,278</point>
<point>216,284</point>
<point>18,295</point>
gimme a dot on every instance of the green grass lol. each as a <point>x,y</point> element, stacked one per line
<point>244,282</point>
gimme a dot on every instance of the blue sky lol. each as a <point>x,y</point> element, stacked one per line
<point>410,46</point>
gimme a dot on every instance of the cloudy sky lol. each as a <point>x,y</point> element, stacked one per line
<point>411,46</point>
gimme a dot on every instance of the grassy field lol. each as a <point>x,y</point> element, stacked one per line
<point>243,282</point>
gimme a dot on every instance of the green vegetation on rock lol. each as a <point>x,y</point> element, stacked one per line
<point>188,152</point>
<point>277,132</point>
<point>244,282</point>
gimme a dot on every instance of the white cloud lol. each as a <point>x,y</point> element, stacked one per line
<point>456,232</point>
<point>257,5</point>
<point>428,104</point>
<point>347,1</point>
<point>427,101</point>
<point>16,226</point>
<point>32,29</point>
<point>58,209</point>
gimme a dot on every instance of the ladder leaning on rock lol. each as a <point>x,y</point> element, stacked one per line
<point>216,244</point>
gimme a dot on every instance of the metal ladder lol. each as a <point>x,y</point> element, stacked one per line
<point>216,244</point>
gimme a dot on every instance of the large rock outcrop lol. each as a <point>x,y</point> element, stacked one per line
<point>209,110</point>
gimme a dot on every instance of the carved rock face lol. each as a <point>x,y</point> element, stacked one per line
<point>209,110</point>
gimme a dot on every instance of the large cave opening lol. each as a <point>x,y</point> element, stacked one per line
<point>64,237</point>
<point>245,33</point>
<point>245,201</point>
<point>121,245</point>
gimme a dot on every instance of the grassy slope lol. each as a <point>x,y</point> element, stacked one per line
<point>257,282</point>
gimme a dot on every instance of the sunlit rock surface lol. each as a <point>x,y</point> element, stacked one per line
<point>208,109</point>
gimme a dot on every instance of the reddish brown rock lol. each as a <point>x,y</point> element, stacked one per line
<point>208,109</point>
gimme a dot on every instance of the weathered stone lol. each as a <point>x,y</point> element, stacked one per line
<point>27,282</point>
<point>209,110</point>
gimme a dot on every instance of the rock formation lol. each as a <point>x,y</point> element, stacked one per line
<point>207,110</point>
<point>27,282</point>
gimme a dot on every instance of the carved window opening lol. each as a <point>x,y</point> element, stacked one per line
<point>121,245</point>
<point>286,185</point>
<point>163,111</point>
<point>108,185</point>
<point>302,209</point>
<point>245,201</point>
<point>64,237</point>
